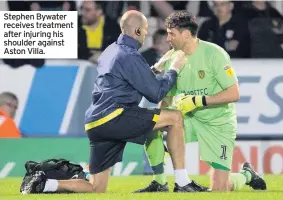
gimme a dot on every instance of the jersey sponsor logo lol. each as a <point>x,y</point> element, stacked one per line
<point>202,91</point>
<point>201,74</point>
<point>229,70</point>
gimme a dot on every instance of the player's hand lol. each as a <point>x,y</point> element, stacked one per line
<point>160,65</point>
<point>179,61</point>
<point>188,103</point>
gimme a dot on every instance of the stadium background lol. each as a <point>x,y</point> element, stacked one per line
<point>54,96</point>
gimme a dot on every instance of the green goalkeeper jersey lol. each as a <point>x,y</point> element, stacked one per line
<point>207,72</point>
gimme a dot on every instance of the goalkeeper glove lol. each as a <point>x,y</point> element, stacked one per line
<point>187,103</point>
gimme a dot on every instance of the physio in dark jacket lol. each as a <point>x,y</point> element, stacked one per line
<point>124,77</point>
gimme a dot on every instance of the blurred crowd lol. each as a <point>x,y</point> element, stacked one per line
<point>245,29</point>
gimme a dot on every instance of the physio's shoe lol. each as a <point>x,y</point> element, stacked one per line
<point>154,187</point>
<point>191,187</point>
<point>36,184</point>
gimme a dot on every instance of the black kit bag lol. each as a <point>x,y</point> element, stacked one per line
<point>59,169</point>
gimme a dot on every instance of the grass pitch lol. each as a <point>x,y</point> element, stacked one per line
<point>120,188</point>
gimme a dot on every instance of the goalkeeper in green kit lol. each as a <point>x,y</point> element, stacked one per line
<point>205,91</point>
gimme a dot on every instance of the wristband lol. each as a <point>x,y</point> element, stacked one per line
<point>175,69</point>
<point>204,101</point>
<point>154,70</point>
<point>199,101</point>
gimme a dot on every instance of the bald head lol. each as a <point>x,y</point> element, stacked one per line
<point>9,103</point>
<point>131,20</point>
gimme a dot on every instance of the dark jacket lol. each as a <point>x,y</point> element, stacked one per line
<point>250,12</point>
<point>266,31</point>
<point>151,56</point>
<point>235,29</point>
<point>124,77</point>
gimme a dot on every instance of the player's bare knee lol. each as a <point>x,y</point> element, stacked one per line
<point>99,187</point>
<point>99,182</point>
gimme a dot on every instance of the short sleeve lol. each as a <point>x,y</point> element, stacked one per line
<point>223,69</point>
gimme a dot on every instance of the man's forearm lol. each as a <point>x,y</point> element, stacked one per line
<point>188,103</point>
<point>228,95</point>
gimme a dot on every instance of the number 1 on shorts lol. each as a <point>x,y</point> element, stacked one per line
<point>223,156</point>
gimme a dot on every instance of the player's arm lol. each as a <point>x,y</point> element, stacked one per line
<point>228,95</point>
<point>188,103</point>
<point>225,76</point>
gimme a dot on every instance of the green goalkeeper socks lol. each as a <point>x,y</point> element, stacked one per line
<point>247,174</point>
<point>155,152</point>
<point>240,179</point>
<point>160,178</point>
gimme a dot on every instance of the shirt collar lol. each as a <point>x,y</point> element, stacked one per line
<point>129,41</point>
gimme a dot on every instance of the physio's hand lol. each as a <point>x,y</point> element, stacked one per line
<point>160,65</point>
<point>187,103</point>
<point>179,61</point>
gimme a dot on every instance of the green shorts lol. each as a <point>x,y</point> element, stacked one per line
<point>216,143</point>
